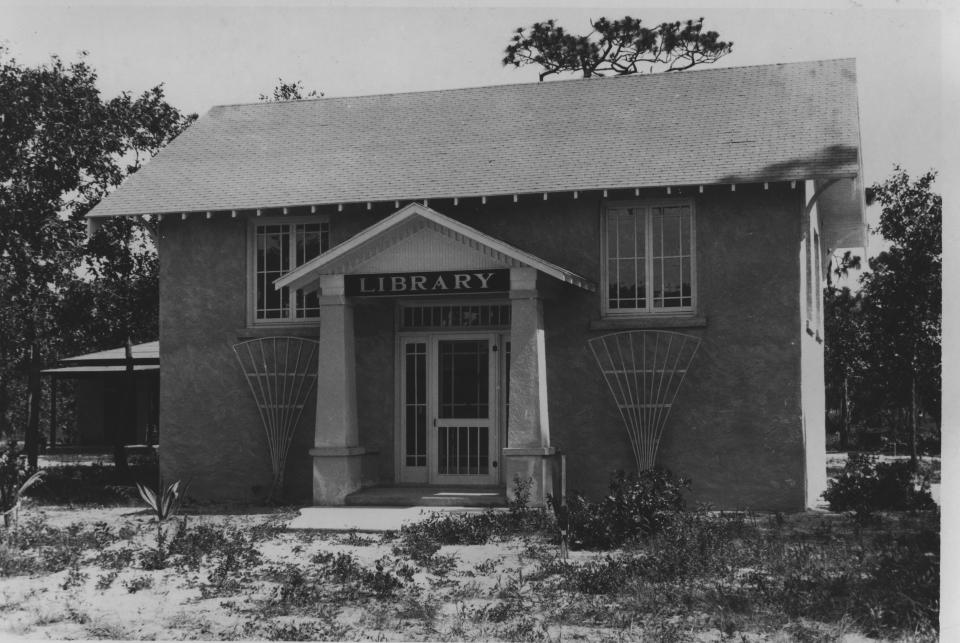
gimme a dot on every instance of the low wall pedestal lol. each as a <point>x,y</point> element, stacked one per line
<point>336,473</point>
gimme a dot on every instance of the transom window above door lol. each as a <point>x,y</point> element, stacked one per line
<point>277,246</point>
<point>649,258</point>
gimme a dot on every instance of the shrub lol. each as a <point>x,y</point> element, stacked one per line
<point>95,483</point>
<point>13,562</point>
<point>695,544</point>
<point>866,485</point>
<point>639,504</point>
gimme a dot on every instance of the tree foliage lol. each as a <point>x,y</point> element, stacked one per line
<point>289,91</point>
<point>883,354</point>
<point>903,293</point>
<point>615,47</point>
<point>63,147</point>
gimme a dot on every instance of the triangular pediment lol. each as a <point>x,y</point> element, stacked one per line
<point>417,238</point>
<point>431,248</point>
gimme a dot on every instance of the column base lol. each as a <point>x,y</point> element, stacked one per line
<point>534,464</point>
<point>337,472</point>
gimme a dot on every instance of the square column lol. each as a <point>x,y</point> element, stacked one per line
<point>528,453</point>
<point>336,452</point>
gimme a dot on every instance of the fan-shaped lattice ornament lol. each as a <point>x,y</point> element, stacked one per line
<point>644,370</point>
<point>282,374</point>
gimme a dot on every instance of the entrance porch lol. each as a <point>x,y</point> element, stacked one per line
<point>471,400</point>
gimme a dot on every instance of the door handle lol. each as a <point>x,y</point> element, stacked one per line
<point>494,464</point>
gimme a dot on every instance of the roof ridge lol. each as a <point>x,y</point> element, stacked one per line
<point>634,77</point>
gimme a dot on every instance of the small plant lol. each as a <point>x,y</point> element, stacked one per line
<point>164,503</point>
<point>356,580</point>
<point>105,581</point>
<point>486,567</point>
<point>75,577</point>
<point>866,485</point>
<point>520,502</point>
<point>353,539</point>
<point>326,629</point>
<point>115,559</point>
<point>137,583</point>
<point>236,554</point>
<point>15,479</point>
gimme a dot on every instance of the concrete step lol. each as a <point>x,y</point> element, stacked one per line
<point>404,496</point>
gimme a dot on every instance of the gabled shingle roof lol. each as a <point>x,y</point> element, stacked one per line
<point>722,125</point>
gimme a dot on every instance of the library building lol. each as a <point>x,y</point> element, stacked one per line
<point>429,295</point>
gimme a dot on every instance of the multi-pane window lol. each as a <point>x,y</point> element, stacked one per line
<point>278,249</point>
<point>649,258</point>
<point>429,316</point>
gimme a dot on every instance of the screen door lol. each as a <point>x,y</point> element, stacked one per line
<point>449,410</point>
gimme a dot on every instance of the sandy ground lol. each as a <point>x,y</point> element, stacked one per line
<point>176,604</point>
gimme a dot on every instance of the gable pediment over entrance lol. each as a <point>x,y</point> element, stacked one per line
<point>429,247</point>
<point>417,238</point>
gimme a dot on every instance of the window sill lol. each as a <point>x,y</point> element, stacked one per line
<point>649,322</point>
<point>279,330</point>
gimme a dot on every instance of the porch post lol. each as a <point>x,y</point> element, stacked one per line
<point>528,452</point>
<point>336,452</point>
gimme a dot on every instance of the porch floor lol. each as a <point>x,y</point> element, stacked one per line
<point>404,496</point>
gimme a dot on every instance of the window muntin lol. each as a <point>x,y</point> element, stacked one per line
<point>649,259</point>
<point>279,247</point>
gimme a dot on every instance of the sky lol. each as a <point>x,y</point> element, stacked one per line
<point>218,54</point>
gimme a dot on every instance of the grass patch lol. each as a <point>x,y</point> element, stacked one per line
<point>696,575</point>
<point>755,573</point>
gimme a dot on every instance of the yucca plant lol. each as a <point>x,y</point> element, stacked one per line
<point>15,480</point>
<point>164,503</point>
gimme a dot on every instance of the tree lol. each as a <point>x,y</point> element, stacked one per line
<point>618,47</point>
<point>62,149</point>
<point>902,297</point>
<point>843,346</point>
<point>289,91</point>
<point>843,356</point>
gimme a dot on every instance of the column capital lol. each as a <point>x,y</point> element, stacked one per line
<point>524,278</point>
<point>332,285</point>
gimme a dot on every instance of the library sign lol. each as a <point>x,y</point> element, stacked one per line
<point>427,283</point>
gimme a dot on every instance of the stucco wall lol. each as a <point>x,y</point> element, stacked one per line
<point>211,430</point>
<point>211,433</point>
<point>736,428</point>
